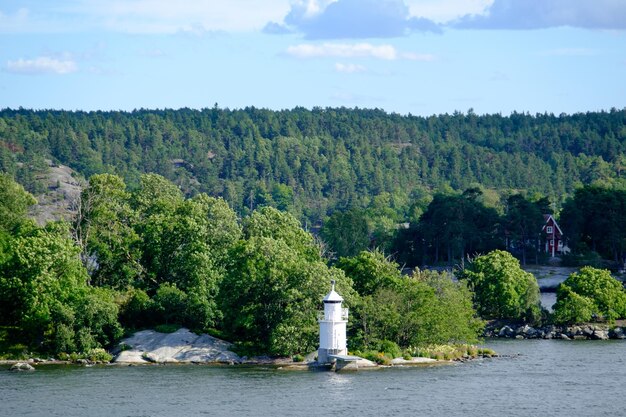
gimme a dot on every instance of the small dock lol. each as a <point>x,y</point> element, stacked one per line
<point>345,362</point>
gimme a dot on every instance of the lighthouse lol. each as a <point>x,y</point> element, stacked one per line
<point>332,327</point>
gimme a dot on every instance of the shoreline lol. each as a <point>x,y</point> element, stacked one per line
<point>586,331</point>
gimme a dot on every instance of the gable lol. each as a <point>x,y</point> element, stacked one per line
<point>551,222</point>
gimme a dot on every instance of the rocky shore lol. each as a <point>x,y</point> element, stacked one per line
<point>185,347</point>
<point>591,331</point>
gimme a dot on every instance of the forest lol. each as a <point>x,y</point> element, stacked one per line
<point>424,189</point>
<point>235,221</point>
<point>151,258</point>
<point>315,162</point>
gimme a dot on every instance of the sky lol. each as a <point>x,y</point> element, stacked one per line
<point>421,57</point>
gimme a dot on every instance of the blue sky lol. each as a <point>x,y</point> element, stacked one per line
<point>408,56</point>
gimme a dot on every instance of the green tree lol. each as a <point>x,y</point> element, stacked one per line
<point>502,290</point>
<point>594,219</point>
<point>269,222</point>
<point>271,294</point>
<point>155,202</point>
<point>370,271</point>
<point>427,309</point>
<point>104,229</point>
<point>14,204</point>
<point>346,232</point>
<point>44,292</point>
<point>459,225</point>
<point>171,304</point>
<point>195,249</point>
<point>590,293</point>
<point>523,221</point>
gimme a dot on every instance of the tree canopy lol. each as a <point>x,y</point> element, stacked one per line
<point>502,290</point>
<point>590,293</point>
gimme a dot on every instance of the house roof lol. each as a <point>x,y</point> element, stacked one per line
<point>547,218</point>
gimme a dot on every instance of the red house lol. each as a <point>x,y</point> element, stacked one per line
<point>553,236</point>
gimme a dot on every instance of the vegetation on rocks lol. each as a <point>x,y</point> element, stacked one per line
<point>502,290</point>
<point>149,257</point>
<point>590,294</point>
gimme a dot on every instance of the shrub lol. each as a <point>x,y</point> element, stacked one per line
<point>449,352</point>
<point>390,349</point>
<point>502,289</point>
<point>137,309</point>
<point>571,307</point>
<point>298,358</point>
<point>170,303</point>
<point>588,293</point>
<point>375,356</point>
<point>99,355</point>
<point>166,328</point>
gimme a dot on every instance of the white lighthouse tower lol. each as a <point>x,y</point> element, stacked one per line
<point>332,327</point>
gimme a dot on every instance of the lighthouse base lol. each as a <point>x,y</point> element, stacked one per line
<point>324,355</point>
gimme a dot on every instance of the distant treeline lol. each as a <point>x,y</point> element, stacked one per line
<point>313,162</point>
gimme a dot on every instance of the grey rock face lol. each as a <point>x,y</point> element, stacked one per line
<point>600,335</point>
<point>181,346</point>
<point>22,366</point>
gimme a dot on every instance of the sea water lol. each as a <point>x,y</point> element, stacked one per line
<point>533,378</point>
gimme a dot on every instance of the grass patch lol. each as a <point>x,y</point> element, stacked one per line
<point>451,352</point>
<point>167,328</point>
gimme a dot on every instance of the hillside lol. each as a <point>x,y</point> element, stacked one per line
<point>61,190</point>
<point>314,161</point>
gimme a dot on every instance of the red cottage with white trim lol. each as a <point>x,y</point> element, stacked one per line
<point>553,236</point>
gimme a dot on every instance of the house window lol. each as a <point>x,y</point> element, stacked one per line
<point>560,244</point>
<point>551,242</point>
<point>549,229</point>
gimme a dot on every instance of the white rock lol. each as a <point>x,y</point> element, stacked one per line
<point>180,346</point>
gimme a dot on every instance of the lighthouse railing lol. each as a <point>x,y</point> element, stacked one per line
<point>344,315</point>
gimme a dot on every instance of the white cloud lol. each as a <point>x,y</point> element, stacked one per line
<point>167,16</point>
<point>143,16</point>
<point>344,50</point>
<point>442,11</point>
<point>352,19</point>
<point>349,68</point>
<point>42,65</point>
<point>537,14</point>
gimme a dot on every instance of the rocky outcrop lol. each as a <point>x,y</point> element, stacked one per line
<point>580,332</point>
<point>181,346</point>
<point>412,361</point>
<point>21,367</point>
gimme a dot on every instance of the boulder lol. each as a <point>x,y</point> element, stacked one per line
<point>588,331</point>
<point>617,333</point>
<point>599,334</point>
<point>22,366</point>
<point>182,346</point>
<point>506,331</point>
<point>529,332</point>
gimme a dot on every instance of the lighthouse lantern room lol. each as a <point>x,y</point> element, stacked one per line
<point>332,327</point>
